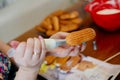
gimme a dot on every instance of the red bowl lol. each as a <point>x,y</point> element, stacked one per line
<point>109,22</point>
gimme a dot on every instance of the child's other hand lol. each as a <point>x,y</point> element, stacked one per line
<point>30,55</point>
<point>64,50</point>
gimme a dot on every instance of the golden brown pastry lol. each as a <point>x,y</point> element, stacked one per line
<point>71,15</point>
<point>55,21</point>
<point>77,20</point>
<point>58,13</point>
<point>60,20</point>
<point>40,28</point>
<point>47,24</point>
<point>77,37</point>
<point>50,32</point>
<point>74,14</point>
<point>74,60</point>
<point>70,27</point>
<point>83,65</point>
<point>71,21</point>
<point>49,59</point>
<point>61,60</point>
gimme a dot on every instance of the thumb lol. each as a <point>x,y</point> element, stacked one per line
<point>14,44</point>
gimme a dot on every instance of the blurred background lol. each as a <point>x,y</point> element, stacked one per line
<point>4,3</point>
<point>19,16</point>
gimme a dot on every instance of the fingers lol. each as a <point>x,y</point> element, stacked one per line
<point>65,51</point>
<point>59,35</point>
<point>20,50</point>
<point>14,44</point>
<point>75,51</point>
<point>29,48</point>
<point>68,51</point>
<point>43,49</point>
<point>83,46</point>
<point>60,52</point>
<point>37,49</point>
<point>30,54</point>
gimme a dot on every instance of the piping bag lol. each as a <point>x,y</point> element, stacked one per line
<point>50,44</point>
<point>72,39</point>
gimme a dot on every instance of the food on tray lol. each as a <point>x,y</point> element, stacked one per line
<point>77,37</point>
<point>83,65</point>
<point>49,60</point>
<point>61,60</point>
<point>59,21</point>
<point>74,60</point>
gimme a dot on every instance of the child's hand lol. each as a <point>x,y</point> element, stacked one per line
<point>30,55</point>
<point>14,44</point>
<point>64,50</point>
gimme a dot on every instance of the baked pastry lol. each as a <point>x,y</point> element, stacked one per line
<point>83,65</point>
<point>49,60</point>
<point>60,21</point>
<point>78,37</point>
<point>71,15</point>
<point>61,60</point>
<point>55,22</point>
<point>74,60</point>
<point>67,28</point>
<point>50,32</point>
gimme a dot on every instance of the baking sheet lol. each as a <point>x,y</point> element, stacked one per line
<point>103,71</point>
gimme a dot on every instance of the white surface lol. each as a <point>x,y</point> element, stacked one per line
<point>102,71</point>
<point>9,2</point>
<point>22,15</point>
<point>108,11</point>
